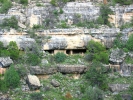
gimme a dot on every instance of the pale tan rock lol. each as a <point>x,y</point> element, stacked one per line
<point>33,82</point>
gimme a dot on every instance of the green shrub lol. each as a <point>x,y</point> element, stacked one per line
<point>6,4</point>
<point>104,15</point>
<point>36,27</point>
<point>32,33</point>
<point>61,11</point>
<point>21,70</point>
<point>118,97</point>
<point>63,25</point>
<point>60,57</point>
<point>93,93</point>
<point>36,96</point>
<point>13,50</point>
<point>1,45</point>
<point>4,53</point>
<point>125,25</point>
<point>96,52</point>
<point>56,12</point>
<point>129,43</point>
<point>24,2</point>
<point>58,2</point>
<point>95,47</point>
<point>96,74</point>
<point>12,78</point>
<point>10,22</point>
<point>100,20</point>
<point>3,87</point>
<point>102,57</point>
<point>118,42</point>
<point>124,2</point>
<point>33,59</point>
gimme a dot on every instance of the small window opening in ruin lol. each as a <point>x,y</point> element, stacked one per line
<point>79,51</point>
<point>68,51</point>
<point>50,51</point>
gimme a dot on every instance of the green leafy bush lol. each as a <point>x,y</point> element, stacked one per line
<point>104,15</point>
<point>33,59</point>
<point>13,50</point>
<point>124,2</point>
<point>129,43</point>
<point>93,93</point>
<point>118,42</point>
<point>59,57</point>
<point>1,45</point>
<point>36,27</point>
<point>24,2</point>
<point>118,97</point>
<point>36,96</point>
<point>6,4</point>
<point>61,11</point>
<point>63,25</point>
<point>95,47</point>
<point>96,74</point>
<point>96,52</point>
<point>21,70</point>
<point>12,78</point>
<point>4,53</point>
<point>10,22</point>
<point>58,2</point>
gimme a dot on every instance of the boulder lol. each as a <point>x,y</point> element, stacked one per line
<point>126,69</point>
<point>118,87</point>
<point>126,97</point>
<point>5,98</point>
<point>2,70</point>
<point>44,62</point>
<point>5,61</point>
<point>55,83</point>
<point>33,82</point>
<point>37,70</point>
<point>25,88</point>
<point>69,69</point>
<point>130,54</point>
<point>117,56</point>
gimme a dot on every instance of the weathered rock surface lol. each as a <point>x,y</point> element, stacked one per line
<point>42,70</point>
<point>55,83</point>
<point>2,70</point>
<point>117,56</point>
<point>5,61</point>
<point>23,42</point>
<point>126,69</point>
<point>33,82</point>
<point>71,68</point>
<point>118,87</point>
<point>25,88</point>
<point>5,98</point>
<point>77,38</point>
<point>126,97</point>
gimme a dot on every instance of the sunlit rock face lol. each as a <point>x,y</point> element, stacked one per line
<point>74,38</point>
<point>122,14</point>
<point>23,41</point>
<point>80,11</point>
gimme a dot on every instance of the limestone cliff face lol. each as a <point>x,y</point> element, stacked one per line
<point>23,41</point>
<point>78,38</point>
<point>73,12</point>
<point>122,14</point>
